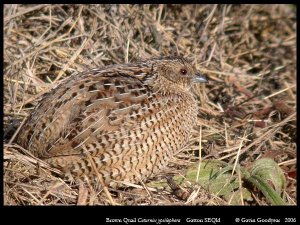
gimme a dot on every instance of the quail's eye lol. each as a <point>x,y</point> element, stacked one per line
<point>183,71</point>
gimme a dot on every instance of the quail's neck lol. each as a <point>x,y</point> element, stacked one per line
<point>166,87</point>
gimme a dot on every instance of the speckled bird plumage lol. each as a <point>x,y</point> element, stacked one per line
<point>130,118</point>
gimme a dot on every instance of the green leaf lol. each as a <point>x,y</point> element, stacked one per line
<point>267,176</point>
<point>215,176</point>
<point>268,170</point>
<point>235,197</point>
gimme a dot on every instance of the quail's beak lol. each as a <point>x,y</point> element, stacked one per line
<point>199,78</point>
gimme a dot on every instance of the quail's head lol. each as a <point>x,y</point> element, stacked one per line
<point>178,71</point>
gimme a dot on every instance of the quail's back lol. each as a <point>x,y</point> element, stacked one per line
<point>130,118</point>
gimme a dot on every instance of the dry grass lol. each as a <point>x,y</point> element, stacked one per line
<point>248,52</point>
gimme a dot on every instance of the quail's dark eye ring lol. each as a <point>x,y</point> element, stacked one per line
<point>183,71</point>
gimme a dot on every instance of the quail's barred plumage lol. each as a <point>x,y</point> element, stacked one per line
<point>130,118</point>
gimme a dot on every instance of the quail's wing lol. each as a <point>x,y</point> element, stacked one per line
<point>86,110</point>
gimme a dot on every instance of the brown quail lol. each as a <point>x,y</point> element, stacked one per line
<point>130,118</point>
